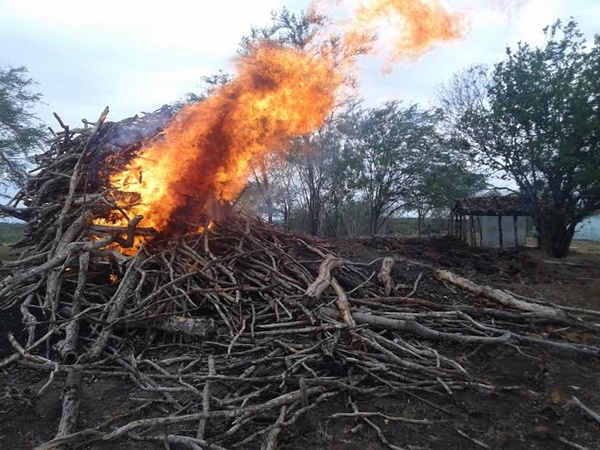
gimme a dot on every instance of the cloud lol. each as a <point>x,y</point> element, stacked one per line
<point>131,55</point>
<point>135,56</point>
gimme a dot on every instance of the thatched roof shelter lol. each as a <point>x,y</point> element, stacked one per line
<point>497,205</point>
<point>498,221</point>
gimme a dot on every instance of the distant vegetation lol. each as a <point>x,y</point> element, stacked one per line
<point>21,133</point>
<point>10,232</point>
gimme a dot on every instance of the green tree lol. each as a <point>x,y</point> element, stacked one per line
<point>286,28</point>
<point>20,131</point>
<point>440,184</point>
<point>393,145</point>
<point>535,117</point>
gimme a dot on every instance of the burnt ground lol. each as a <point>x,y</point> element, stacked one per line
<point>532,412</point>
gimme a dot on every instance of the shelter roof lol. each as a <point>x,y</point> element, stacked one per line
<point>505,205</point>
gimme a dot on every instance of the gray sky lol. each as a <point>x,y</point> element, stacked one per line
<point>135,56</point>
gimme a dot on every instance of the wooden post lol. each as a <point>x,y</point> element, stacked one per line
<point>480,231</point>
<point>472,230</point>
<point>454,225</point>
<point>515,217</point>
<point>500,237</point>
<point>457,230</point>
<point>457,227</point>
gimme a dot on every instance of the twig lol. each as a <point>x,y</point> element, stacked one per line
<point>383,416</point>
<point>206,398</point>
<point>270,443</point>
<point>415,286</point>
<point>342,304</point>
<point>588,411</point>
<point>571,444</point>
<point>160,421</point>
<point>474,441</point>
<point>190,442</point>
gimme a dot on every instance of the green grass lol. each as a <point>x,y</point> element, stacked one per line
<point>10,232</point>
<point>409,225</point>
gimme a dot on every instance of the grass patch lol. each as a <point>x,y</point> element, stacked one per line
<point>10,232</point>
<point>586,247</point>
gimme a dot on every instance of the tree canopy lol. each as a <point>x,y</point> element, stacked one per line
<point>535,118</point>
<point>393,144</point>
<point>20,131</point>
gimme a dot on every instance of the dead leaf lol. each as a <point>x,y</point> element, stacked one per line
<point>557,397</point>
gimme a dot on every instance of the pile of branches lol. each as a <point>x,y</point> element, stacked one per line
<point>234,333</point>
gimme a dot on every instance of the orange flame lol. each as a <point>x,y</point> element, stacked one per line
<point>419,24</point>
<point>409,28</point>
<point>207,150</point>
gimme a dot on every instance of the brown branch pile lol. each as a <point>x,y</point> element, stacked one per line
<point>233,334</point>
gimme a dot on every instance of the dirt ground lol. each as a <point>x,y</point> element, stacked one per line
<point>536,414</point>
<point>532,410</point>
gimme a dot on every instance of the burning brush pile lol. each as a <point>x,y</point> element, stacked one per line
<point>137,265</point>
<point>234,329</point>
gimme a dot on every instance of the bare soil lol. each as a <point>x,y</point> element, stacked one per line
<point>533,411</point>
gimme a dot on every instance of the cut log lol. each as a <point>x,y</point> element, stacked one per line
<point>67,347</point>
<point>203,328</point>
<point>342,303</point>
<point>385,275</point>
<point>71,402</point>
<point>315,290</point>
<point>412,326</point>
<point>496,295</point>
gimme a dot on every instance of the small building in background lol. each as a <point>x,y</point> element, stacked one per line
<point>498,221</point>
<point>589,228</point>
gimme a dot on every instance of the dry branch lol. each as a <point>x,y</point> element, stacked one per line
<point>594,415</point>
<point>412,326</point>
<point>497,295</point>
<point>67,347</point>
<point>206,398</point>
<point>316,289</point>
<point>385,276</point>
<point>71,404</point>
<point>116,304</point>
